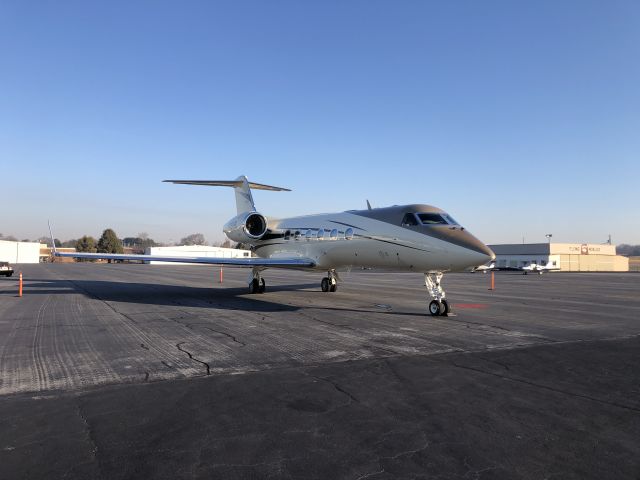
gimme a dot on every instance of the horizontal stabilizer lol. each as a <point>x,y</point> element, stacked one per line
<point>242,187</point>
<point>228,183</point>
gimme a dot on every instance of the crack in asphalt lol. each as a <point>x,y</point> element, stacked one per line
<point>545,387</point>
<point>232,337</point>
<point>477,472</point>
<point>370,474</point>
<point>503,365</point>
<point>394,457</point>
<point>337,387</point>
<point>88,432</point>
<point>179,347</point>
<point>192,325</point>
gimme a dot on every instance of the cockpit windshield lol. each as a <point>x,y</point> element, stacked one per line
<point>409,220</point>
<point>436,219</point>
<point>450,219</point>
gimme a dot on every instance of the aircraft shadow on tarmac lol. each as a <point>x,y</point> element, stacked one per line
<point>225,298</point>
<point>231,298</point>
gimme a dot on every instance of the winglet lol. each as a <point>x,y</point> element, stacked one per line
<point>53,242</point>
<point>368,205</point>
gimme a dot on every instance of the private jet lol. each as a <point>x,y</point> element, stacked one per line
<point>404,238</point>
<point>484,268</point>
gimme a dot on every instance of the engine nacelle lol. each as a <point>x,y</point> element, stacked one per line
<point>246,227</point>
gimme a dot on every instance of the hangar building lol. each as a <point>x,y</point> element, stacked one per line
<point>195,251</point>
<point>570,257</point>
<point>19,252</point>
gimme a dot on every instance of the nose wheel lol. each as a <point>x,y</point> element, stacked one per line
<point>438,306</point>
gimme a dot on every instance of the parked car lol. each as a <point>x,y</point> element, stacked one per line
<point>5,269</point>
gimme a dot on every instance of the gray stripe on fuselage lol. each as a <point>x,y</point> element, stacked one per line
<point>348,225</point>
<point>355,235</point>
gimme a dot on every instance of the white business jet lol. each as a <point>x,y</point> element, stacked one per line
<point>484,268</point>
<point>406,238</point>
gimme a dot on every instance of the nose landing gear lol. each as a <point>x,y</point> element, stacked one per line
<point>438,305</point>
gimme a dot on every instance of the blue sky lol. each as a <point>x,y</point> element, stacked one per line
<point>518,118</point>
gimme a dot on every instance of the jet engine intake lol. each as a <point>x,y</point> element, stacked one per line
<point>246,227</point>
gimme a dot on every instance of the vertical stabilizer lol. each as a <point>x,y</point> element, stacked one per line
<point>244,199</point>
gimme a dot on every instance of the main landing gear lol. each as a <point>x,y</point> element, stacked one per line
<point>438,305</point>
<point>330,283</point>
<point>256,282</point>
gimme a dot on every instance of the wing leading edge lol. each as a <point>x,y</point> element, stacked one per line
<point>239,262</point>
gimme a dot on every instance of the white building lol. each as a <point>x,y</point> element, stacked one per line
<point>20,252</point>
<point>195,251</point>
<point>570,257</point>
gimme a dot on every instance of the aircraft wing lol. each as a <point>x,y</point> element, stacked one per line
<point>290,262</point>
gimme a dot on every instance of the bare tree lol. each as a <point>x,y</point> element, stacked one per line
<point>193,239</point>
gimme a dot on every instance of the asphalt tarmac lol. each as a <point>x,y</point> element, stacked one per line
<point>144,371</point>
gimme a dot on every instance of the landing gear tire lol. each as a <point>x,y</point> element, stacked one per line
<point>257,286</point>
<point>324,285</point>
<point>434,308</point>
<point>333,287</point>
<point>444,308</point>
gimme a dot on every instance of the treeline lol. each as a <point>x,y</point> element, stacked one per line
<point>109,242</point>
<point>628,250</point>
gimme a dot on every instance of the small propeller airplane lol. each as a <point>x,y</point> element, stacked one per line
<point>405,238</point>
<point>539,269</point>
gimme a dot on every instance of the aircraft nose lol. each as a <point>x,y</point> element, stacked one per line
<point>481,253</point>
<point>486,253</point>
<point>474,252</point>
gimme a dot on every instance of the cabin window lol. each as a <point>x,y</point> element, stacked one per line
<point>321,234</point>
<point>409,220</point>
<point>309,234</point>
<point>334,234</point>
<point>297,235</point>
<point>348,234</point>
<point>432,219</point>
